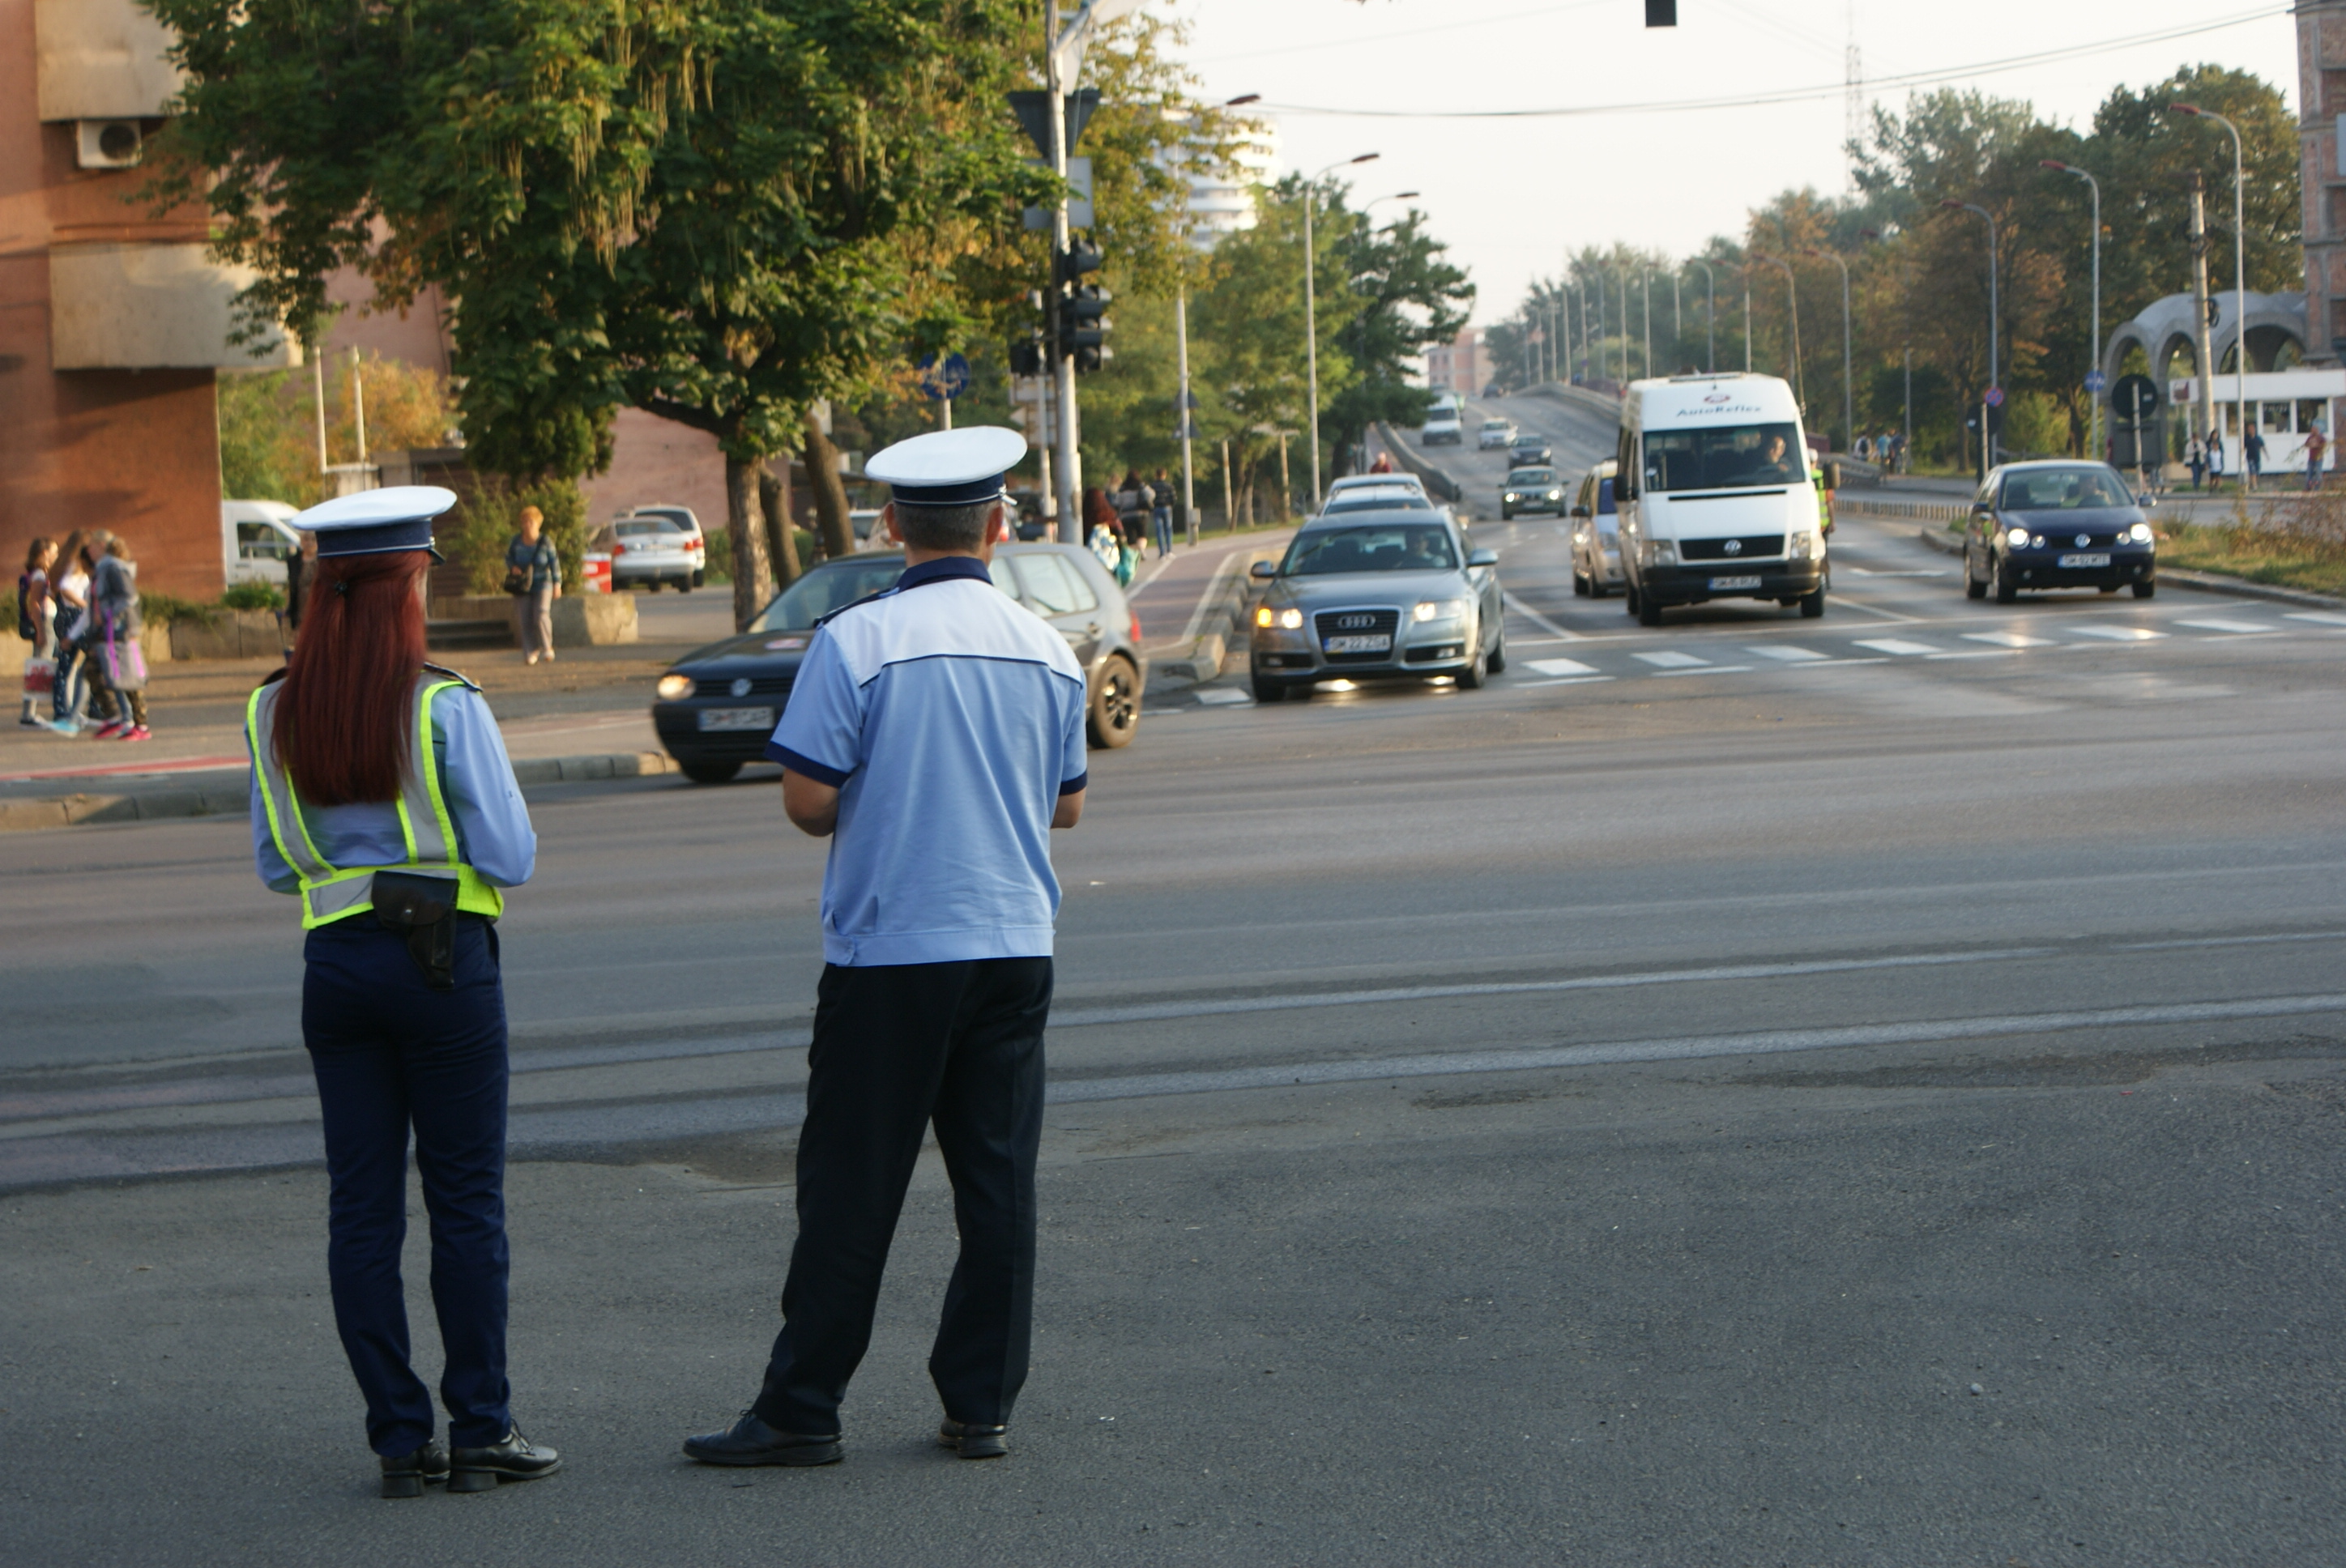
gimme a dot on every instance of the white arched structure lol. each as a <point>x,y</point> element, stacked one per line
<point>2167,328</point>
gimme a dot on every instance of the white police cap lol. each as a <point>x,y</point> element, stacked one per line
<point>949,467</point>
<point>374,521</point>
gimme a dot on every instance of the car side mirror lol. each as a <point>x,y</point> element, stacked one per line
<point>1482,557</point>
<point>1832,473</point>
<point>2146,501</point>
<point>1580,511</point>
<point>1263,569</point>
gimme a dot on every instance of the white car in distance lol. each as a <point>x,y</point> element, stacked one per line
<point>1495,432</point>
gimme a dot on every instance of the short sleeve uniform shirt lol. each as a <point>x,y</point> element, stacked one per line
<point>951,721</point>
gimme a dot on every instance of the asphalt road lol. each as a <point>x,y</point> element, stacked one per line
<point>1748,1091</point>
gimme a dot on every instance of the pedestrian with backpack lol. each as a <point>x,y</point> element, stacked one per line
<point>37,623</point>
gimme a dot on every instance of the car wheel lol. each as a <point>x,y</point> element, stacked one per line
<point>2008,588</point>
<point>657,583</point>
<point>685,586</point>
<point>1650,614</point>
<point>711,772</point>
<point>1505,515</point>
<point>1498,659</point>
<point>2146,590</point>
<point>1973,587</point>
<point>1115,706</point>
<point>1269,690</point>
<point>1472,678</point>
<point>1629,595</point>
<point>1812,605</point>
<point>1581,586</point>
<point>701,577</point>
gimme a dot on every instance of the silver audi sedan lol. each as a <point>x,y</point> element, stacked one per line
<point>1378,596</point>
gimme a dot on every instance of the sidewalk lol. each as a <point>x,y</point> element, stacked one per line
<point>1189,605</point>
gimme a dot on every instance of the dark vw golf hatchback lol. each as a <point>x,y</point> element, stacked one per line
<point>2056,525</point>
<point>718,707</point>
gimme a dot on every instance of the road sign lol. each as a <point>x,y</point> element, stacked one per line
<point>2096,381</point>
<point>2135,398</point>
<point>1994,398</point>
<point>944,382</point>
<point>1079,198</point>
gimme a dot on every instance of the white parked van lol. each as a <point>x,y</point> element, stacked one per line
<point>1715,498</point>
<point>256,539</point>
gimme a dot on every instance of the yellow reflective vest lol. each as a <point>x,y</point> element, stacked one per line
<point>331,893</point>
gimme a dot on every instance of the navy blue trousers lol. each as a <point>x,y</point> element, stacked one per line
<point>897,1048</point>
<point>392,1055</point>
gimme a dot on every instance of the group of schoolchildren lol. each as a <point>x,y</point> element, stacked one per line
<point>78,606</point>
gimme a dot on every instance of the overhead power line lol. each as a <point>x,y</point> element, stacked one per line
<point>1802,95</point>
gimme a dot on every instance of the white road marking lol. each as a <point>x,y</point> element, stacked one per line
<point>1862,572</point>
<point>1886,615</point>
<point>2214,625</point>
<point>1537,619</point>
<point>1898,645</point>
<point>1706,669</point>
<point>2229,940</point>
<point>1670,660</point>
<point>1567,681</point>
<point>2117,633</point>
<point>1560,666</point>
<point>2320,617</point>
<point>2008,639</point>
<point>1788,654</point>
<point>1220,696</point>
<point>1842,663</point>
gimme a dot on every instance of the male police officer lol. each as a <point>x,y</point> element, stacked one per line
<point>935,734</point>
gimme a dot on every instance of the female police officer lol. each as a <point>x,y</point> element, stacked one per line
<point>382,798</point>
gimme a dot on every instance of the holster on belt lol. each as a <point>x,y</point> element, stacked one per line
<point>423,910</point>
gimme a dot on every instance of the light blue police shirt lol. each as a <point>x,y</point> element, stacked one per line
<point>476,779</point>
<point>951,721</point>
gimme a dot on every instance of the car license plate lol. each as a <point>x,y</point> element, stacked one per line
<point>2085,560</point>
<point>737,719</point>
<point>1358,644</point>
<point>1722,584</point>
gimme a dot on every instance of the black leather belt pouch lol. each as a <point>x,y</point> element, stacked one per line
<point>422,909</point>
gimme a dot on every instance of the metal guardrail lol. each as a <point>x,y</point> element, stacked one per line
<point>1878,507</point>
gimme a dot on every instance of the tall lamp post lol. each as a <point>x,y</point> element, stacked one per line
<point>1710,315</point>
<point>2093,419</point>
<point>1311,308</point>
<point>1990,399</point>
<point>1848,389</point>
<point>1906,330</point>
<point>1792,294</point>
<point>2239,282</point>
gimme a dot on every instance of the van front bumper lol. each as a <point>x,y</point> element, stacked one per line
<point>1684,585</point>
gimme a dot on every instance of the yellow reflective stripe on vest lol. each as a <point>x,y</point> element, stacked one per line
<point>330,893</point>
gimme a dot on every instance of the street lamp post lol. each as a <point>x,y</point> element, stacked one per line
<point>1792,294</point>
<point>1906,330</point>
<point>1994,339</point>
<point>1709,316</point>
<point>1311,309</point>
<point>2093,419</point>
<point>1848,390</point>
<point>2239,282</point>
<point>1646,302</point>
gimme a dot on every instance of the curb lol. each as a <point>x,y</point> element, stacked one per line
<point>2197,582</point>
<point>44,813</point>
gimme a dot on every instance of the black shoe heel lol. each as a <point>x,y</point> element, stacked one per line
<point>405,1483</point>
<point>461,1480</point>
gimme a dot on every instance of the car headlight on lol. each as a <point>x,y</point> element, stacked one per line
<point>1438,610</point>
<point>1556,496</point>
<point>2017,538</point>
<point>1290,620</point>
<point>1264,616</point>
<point>1511,495</point>
<point>672,687</point>
<point>2139,534</point>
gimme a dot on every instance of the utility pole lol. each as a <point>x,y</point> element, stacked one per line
<point>1848,395</point>
<point>1311,309</point>
<point>2240,283</point>
<point>1646,300</point>
<point>1992,398</point>
<point>1747,323</point>
<point>2205,398</point>
<point>1062,364</point>
<point>1188,429</point>
<point>1709,316</point>
<point>2094,416</point>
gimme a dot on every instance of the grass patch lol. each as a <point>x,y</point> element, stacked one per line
<point>2293,542</point>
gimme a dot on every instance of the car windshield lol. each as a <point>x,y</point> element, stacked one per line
<point>1406,501</point>
<point>2064,490</point>
<point>1494,424</point>
<point>829,587</point>
<point>634,527</point>
<point>1523,476</point>
<point>1384,547</point>
<point>1733,457</point>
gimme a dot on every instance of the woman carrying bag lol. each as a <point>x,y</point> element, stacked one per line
<point>113,640</point>
<point>382,798</point>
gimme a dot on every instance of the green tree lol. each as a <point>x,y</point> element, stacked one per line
<point>1409,297</point>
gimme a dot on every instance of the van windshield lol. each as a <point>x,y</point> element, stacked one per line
<point>1733,457</point>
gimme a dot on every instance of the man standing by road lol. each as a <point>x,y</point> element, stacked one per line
<point>2252,454</point>
<point>935,736</point>
<point>2317,445</point>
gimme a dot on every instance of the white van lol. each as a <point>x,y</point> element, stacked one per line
<point>1441,426</point>
<point>1716,497</point>
<point>256,539</point>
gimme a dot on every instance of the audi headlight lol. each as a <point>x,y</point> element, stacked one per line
<point>1438,610</point>
<point>1264,616</point>
<point>2017,538</point>
<point>672,687</point>
<point>1290,620</point>
<point>2139,534</point>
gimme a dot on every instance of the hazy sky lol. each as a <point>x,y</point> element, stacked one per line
<point>1510,195</point>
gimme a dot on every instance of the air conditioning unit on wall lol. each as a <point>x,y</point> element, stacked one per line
<point>107,144</point>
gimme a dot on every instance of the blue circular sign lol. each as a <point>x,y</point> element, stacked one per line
<point>944,382</point>
<point>1995,397</point>
<point>2095,383</point>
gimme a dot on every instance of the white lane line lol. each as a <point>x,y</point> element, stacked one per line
<point>1842,663</point>
<point>1844,600</point>
<point>1706,669</point>
<point>1152,1012</point>
<point>1765,1043</point>
<point>1861,572</point>
<point>2117,634</point>
<point>1537,619</point>
<point>1785,653</point>
<point>2229,940</point>
<point>1559,666</point>
<point>1222,696</point>
<point>2318,617</point>
<point>1670,660</point>
<point>1539,641</point>
<point>2008,639</point>
<point>1567,681</point>
<point>2241,627</point>
<point>1898,645</point>
<point>1213,593</point>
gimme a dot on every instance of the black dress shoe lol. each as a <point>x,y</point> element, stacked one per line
<point>515,1459</point>
<point>751,1441</point>
<point>973,1442</point>
<point>405,1476</point>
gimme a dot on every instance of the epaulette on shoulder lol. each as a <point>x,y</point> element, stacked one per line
<point>454,674</point>
<point>822,621</point>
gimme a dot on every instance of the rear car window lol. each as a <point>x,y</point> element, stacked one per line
<point>830,586</point>
<point>1053,586</point>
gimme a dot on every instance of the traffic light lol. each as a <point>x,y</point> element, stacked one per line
<point>1082,324</point>
<point>1661,13</point>
<point>1027,357</point>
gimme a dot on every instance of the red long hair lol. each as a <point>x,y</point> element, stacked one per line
<point>342,721</point>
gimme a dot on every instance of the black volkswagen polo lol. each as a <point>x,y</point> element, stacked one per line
<point>2057,524</point>
<point>718,705</point>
